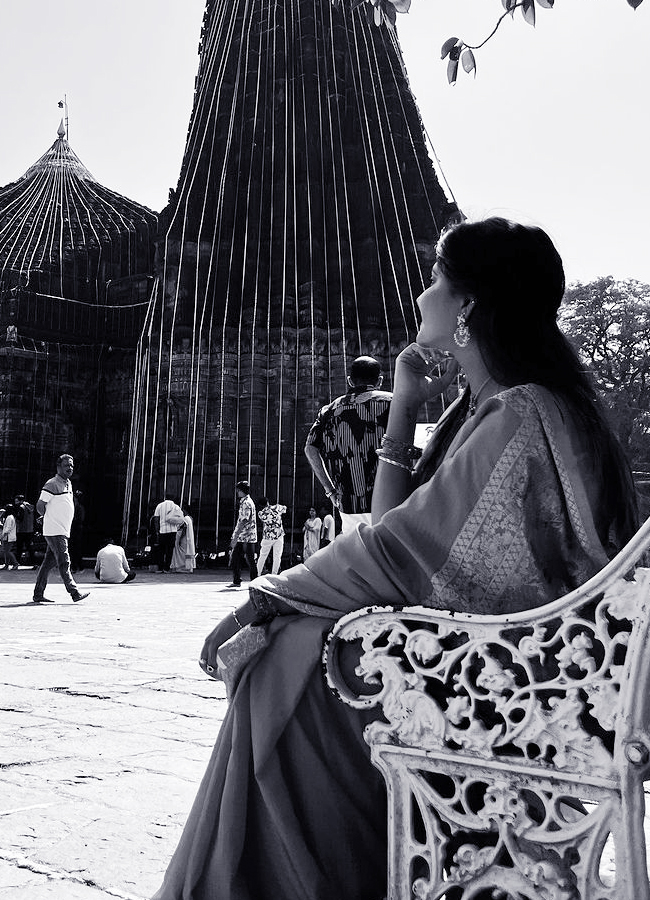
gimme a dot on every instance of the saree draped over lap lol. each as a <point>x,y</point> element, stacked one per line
<point>290,807</point>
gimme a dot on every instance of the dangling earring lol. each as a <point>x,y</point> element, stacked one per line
<point>462,334</point>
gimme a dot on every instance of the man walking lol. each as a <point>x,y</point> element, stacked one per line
<point>56,505</point>
<point>244,537</point>
<point>342,442</point>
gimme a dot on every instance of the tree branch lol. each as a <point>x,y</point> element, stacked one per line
<point>503,16</point>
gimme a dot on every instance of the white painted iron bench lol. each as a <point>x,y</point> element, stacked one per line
<point>514,747</point>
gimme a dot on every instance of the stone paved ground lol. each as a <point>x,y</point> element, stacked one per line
<point>106,726</point>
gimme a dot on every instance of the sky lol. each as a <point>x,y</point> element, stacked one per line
<point>553,129</point>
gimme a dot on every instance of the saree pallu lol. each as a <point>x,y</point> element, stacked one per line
<point>290,807</point>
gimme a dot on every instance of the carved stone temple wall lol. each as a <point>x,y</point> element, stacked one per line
<point>301,231</point>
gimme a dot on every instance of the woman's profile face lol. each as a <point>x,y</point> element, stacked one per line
<point>439,305</point>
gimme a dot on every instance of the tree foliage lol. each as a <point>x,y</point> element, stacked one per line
<point>455,50</point>
<point>608,322</point>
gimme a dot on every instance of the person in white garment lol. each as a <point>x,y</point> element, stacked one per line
<point>328,528</point>
<point>112,566</point>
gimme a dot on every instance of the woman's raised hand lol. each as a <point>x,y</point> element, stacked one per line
<point>421,375</point>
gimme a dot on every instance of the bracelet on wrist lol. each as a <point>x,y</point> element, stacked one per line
<point>399,448</point>
<point>239,624</point>
<point>385,456</point>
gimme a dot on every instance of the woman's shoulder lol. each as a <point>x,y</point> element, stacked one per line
<point>525,400</point>
<point>528,411</point>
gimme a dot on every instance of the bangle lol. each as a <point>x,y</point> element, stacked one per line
<point>239,624</point>
<point>383,456</point>
<point>399,449</point>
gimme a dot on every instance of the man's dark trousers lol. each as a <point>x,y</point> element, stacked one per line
<point>240,552</point>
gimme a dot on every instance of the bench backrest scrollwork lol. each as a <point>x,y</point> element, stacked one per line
<point>514,747</point>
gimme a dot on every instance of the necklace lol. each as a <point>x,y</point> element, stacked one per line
<point>473,398</point>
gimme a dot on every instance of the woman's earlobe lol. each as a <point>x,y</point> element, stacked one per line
<point>468,306</point>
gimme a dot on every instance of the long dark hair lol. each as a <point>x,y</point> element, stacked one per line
<point>516,277</point>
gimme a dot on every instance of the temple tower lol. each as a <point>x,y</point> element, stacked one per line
<point>301,232</point>
<point>76,268</point>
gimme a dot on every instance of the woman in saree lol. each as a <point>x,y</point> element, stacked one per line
<point>522,494</point>
<point>311,531</point>
<point>184,555</point>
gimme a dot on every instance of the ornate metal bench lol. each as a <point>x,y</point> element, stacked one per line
<point>514,748</point>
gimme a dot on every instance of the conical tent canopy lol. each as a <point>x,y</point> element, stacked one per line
<point>59,157</point>
<point>76,267</point>
<point>65,235</point>
<point>300,234</point>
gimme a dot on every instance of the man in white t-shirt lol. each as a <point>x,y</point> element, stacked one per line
<point>328,528</point>
<point>112,566</point>
<point>167,518</point>
<point>56,506</point>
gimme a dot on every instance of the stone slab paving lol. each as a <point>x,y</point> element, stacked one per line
<point>106,726</point>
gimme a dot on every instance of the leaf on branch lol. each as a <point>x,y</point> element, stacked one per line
<point>468,61</point>
<point>401,6</point>
<point>452,70</point>
<point>528,11</point>
<point>546,4</point>
<point>448,46</point>
<point>389,11</point>
<point>635,3</point>
<point>510,5</point>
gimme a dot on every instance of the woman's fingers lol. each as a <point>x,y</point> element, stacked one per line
<point>449,368</point>
<point>208,658</point>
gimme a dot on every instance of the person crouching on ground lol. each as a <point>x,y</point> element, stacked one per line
<point>112,566</point>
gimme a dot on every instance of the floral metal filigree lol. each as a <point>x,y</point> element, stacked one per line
<point>508,736</point>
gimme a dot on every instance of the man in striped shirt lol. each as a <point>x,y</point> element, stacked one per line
<point>342,442</point>
<point>56,505</point>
